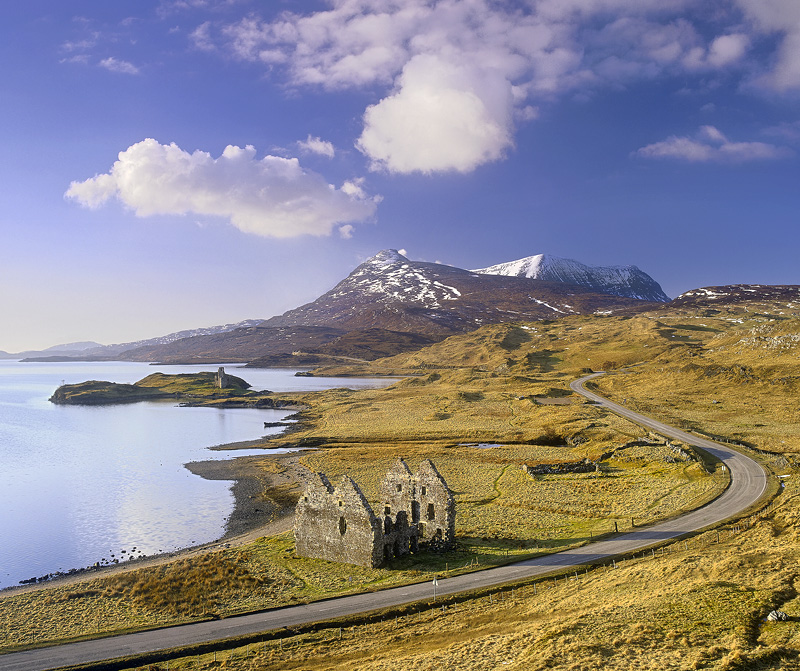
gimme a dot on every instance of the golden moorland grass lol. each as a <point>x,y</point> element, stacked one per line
<point>696,604</point>
<point>502,514</point>
<point>693,610</point>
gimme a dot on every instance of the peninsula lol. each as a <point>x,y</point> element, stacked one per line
<point>186,387</point>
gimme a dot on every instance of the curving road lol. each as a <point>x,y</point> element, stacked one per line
<point>748,483</point>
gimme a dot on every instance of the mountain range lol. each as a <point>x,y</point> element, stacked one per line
<point>390,304</point>
<point>390,291</point>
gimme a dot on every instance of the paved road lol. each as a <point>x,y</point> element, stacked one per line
<point>748,483</point>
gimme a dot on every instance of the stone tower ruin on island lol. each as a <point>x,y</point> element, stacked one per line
<point>221,379</point>
<point>338,524</point>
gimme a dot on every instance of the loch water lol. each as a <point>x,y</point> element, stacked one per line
<point>79,484</point>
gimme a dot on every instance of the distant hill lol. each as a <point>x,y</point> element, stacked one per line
<point>627,281</point>
<point>787,295</point>
<point>73,347</point>
<point>236,346</point>
<point>94,351</point>
<point>366,345</point>
<point>56,351</point>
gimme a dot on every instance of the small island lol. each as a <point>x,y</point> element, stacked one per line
<point>186,387</point>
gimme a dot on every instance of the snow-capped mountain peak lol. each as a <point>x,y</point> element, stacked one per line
<point>627,281</point>
<point>386,257</point>
<point>390,277</point>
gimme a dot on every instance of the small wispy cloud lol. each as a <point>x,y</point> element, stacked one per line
<point>709,144</point>
<point>169,7</point>
<point>315,145</point>
<point>80,59</point>
<point>272,197</point>
<point>115,65</point>
<point>788,131</point>
<point>80,45</point>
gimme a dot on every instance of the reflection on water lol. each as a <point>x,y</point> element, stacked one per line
<point>80,483</point>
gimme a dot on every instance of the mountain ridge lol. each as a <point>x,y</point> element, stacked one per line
<point>629,281</point>
<point>390,291</point>
<point>390,304</point>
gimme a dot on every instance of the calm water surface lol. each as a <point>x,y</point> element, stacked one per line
<point>78,484</point>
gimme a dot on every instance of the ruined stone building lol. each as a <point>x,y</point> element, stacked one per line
<point>221,379</point>
<point>338,524</point>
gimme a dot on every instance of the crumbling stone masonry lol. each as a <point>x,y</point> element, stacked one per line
<point>338,524</point>
<point>221,379</point>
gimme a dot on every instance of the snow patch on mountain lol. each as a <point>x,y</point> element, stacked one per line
<point>555,309</point>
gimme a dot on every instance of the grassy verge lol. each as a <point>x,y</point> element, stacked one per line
<point>699,603</point>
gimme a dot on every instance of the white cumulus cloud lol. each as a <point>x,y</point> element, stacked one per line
<point>443,117</point>
<point>272,196</point>
<point>710,144</point>
<point>316,145</point>
<point>727,49</point>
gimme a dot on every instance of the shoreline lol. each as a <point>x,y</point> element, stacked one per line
<point>262,497</point>
<point>259,495</point>
<point>254,515</point>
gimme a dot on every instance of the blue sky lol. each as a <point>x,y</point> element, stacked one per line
<point>173,164</point>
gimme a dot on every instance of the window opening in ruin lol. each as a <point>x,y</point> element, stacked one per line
<point>424,491</point>
<point>431,512</point>
<point>341,504</point>
<point>414,512</point>
<point>342,525</point>
<point>399,488</point>
<point>387,510</point>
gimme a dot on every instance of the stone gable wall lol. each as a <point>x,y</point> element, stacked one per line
<point>338,524</point>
